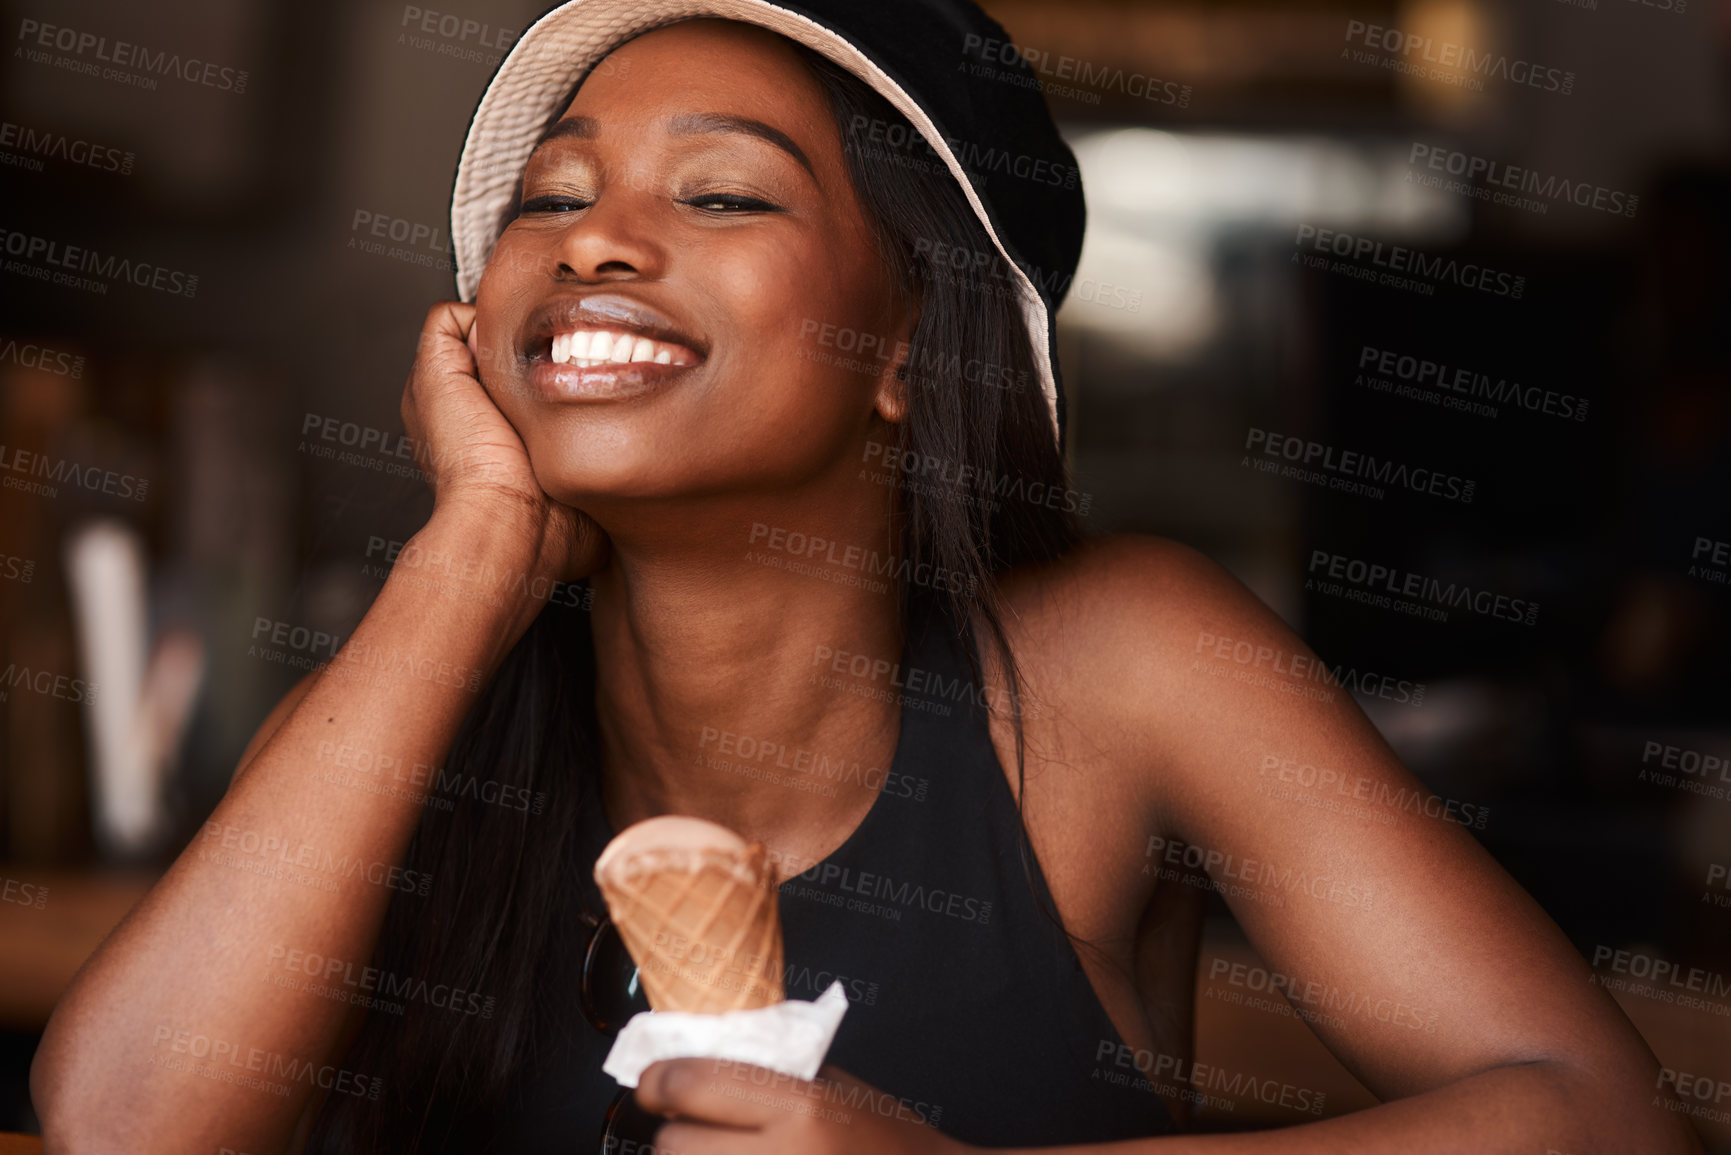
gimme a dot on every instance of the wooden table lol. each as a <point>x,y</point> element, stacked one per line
<point>44,939</point>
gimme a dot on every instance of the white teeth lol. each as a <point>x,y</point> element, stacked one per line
<point>587,347</point>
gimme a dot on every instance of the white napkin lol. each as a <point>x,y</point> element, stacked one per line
<point>791,1037</point>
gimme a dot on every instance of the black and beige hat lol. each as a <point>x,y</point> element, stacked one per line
<point>926,57</point>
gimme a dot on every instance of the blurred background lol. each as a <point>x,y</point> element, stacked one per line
<point>207,274</point>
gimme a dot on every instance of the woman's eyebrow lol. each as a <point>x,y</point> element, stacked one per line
<point>692,123</point>
<point>579,126</point>
<point>687,124</point>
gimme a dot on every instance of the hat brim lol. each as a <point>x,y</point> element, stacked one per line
<point>552,53</point>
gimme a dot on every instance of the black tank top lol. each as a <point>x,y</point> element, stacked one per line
<point>967,1005</point>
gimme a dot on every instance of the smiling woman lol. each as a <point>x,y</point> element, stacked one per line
<point>715,371</point>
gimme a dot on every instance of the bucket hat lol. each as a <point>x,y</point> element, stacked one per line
<point>945,65</point>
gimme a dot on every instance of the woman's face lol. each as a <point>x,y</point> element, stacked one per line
<point>694,204</point>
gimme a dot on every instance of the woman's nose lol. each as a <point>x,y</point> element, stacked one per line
<point>616,236</point>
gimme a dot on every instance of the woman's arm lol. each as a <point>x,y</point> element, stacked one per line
<point>282,863</point>
<point>1275,776</point>
<point>171,1037</point>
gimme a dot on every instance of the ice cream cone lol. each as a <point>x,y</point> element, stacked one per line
<point>696,908</point>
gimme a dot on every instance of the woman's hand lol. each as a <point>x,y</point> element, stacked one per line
<point>723,1108</point>
<point>475,460</point>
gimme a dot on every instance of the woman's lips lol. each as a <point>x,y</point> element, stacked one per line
<point>605,346</point>
<point>600,382</point>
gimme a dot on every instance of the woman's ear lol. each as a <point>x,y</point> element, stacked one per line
<point>892,393</point>
<point>892,399</point>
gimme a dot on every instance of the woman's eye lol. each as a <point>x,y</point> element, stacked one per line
<point>730,202</point>
<point>552,204</point>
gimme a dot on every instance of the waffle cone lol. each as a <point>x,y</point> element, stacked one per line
<point>696,907</point>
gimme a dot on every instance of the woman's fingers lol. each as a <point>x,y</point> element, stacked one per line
<point>718,1092</point>
<point>702,1139</point>
<point>445,338</point>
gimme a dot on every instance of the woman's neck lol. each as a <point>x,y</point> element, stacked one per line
<point>718,695</point>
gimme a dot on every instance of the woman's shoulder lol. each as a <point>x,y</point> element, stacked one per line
<point>1128,606</point>
<point>1122,640</point>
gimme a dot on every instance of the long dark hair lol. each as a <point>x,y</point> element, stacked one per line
<point>502,874</point>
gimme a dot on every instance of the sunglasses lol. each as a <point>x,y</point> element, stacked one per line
<point>610,993</point>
